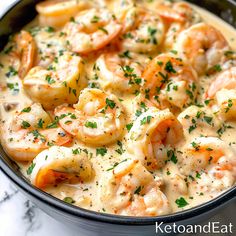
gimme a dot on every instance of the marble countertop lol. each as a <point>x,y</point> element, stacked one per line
<point>18,216</point>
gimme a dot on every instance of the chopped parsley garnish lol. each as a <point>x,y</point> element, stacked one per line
<point>40,123</point>
<point>138,113</point>
<point>138,190</point>
<point>103,30</point>
<point>116,164</point>
<point>110,103</point>
<point>181,202</point>
<point>164,77</point>
<point>93,85</point>
<point>120,150</point>
<point>128,36</point>
<point>174,52</point>
<point>74,92</point>
<point>192,127</point>
<point>69,200</point>
<point>125,54</point>
<point>198,115</point>
<point>25,124</point>
<point>76,151</point>
<point>50,144</point>
<point>175,87</point>
<point>34,30</point>
<point>72,19</point>
<point>129,126</point>
<point>11,72</point>
<point>37,135</point>
<point>52,125</point>
<point>152,32</point>
<point>191,177</point>
<point>160,63</point>
<point>223,128</point>
<point>30,169</point>
<point>92,125</point>
<point>14,87</point>
<point>61,52</point>
<point>101,151</point>
<point>171,155</point>
<point>60,35</point>
<point>169,67</point>
<point>190,94</point>
<point>195,146</point>
<point>128,73</point>
<point>229,105</point>
<point>207,101</point>
<point>229,53</point>
<point>73,116</point>
<point>198,175</point>
<point>49,29</point>
<point>146,120</point>
<point>49,79</point>
<point>213,69</point>
<point>217,68</point>
<point>27,109</point>
<point>208,119</point>
<point>95,19</point>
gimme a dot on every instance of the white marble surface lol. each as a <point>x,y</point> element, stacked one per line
<point>18,216</point>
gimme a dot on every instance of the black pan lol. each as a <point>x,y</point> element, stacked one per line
<point>89,222</point>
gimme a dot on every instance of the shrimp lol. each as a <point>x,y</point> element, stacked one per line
<point>195,119</point>
<point>211,184</point>
<point>143,31</point>
<point>223,89</point>
<point>177,17</point>
<point>152,133</point>
<point>212,161</point>
<point>170,81</point>
<point>97,118</point>
<point>91,30</point>
<point>131,190</point>
<point>118,73</point>
<point>203,46</point>
<point>50,44</point>
<point>25,49</point>
<point>58,12</point>
<point>29,132</point>
<point>60,164</point>
<point>61,81</point>
<point>120,7</point>
<point>205,152</point>
<point>225,80</point>
<point>226,103</point>
<point>178,12</point>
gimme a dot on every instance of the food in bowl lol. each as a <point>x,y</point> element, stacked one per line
<point>122,107</point>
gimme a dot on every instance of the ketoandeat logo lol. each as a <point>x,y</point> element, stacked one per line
<point>210,227</point>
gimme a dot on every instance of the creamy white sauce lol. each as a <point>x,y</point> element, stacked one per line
<point>86,194</point>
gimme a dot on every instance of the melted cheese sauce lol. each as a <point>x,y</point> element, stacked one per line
<point>194,188</point>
